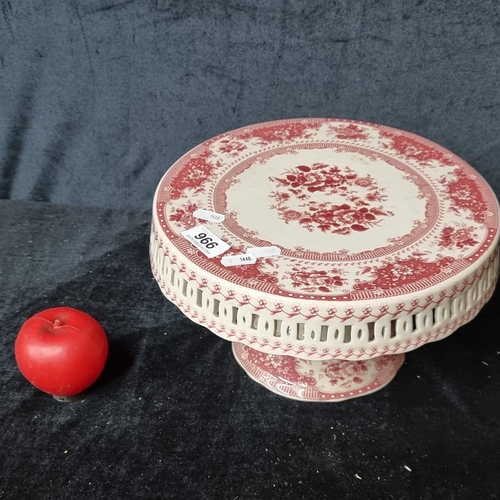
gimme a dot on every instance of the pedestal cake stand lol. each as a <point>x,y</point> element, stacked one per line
<point>324,249</point>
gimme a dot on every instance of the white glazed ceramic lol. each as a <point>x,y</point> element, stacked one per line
<point>388,241</point>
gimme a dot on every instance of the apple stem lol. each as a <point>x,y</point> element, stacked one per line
<point>57,323</point>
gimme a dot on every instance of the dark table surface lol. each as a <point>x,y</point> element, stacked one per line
<point>173,415</point>
<point>97,99</point>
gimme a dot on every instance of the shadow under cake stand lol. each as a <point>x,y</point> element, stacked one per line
<point>353,242</point>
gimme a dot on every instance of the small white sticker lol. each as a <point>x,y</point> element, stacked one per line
<point>238,260</point>
<point>206,241</point>
<point>207,215</point>
<point>264,251</point>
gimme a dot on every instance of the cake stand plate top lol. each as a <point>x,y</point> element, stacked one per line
<point>370,220</point>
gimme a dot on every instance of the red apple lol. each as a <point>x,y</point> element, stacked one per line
<point>61,351</point>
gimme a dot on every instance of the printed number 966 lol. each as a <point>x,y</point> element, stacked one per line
<point>205,240</point>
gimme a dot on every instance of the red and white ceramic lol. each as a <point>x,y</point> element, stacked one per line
<point>381,241</point>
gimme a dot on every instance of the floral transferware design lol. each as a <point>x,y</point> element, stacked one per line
<point>465,194</point>
<point>462,237</point>
<point>401,272</point>
<point>363,199</point>
<point>286,367</point>
<point>183,216</point>
<point>281,132</point>
<point>359,211</point>
<point>345,374</point>
<point>349,132</point>
<point>231,147</point>
<point>312,280</point>
<point>386,242</point>
<point>334,380</point>
<point>197,169</point>
<point>416,148</point>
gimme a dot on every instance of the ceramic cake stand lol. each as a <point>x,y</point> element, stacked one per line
<point>324,249</point>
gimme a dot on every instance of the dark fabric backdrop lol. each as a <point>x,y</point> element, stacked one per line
<point>97,99</point>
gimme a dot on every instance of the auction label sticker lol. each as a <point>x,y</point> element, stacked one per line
<point>206,241</point>
<point>238,260</point>
<point>208,215</point>
<point>264,251</point>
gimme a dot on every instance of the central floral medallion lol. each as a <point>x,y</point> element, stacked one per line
<point>329,198</point>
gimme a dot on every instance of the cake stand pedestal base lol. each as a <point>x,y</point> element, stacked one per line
<point>331,380</point>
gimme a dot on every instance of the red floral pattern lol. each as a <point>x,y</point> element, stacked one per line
<point>195,172</point>
<point>402,272</point>
<point>345,374</point>
<point>359,192</point>
<point>317,380</point>
<point>350,131</point>
<point>415,149</point>
<point>281,131</point>
<point>284,367</point>
<point>323,196</point>
<point>310,280</point>
<point>461,237</point>
<point>232,147</point>
<point>466,195</point>
<point>183,216</point>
